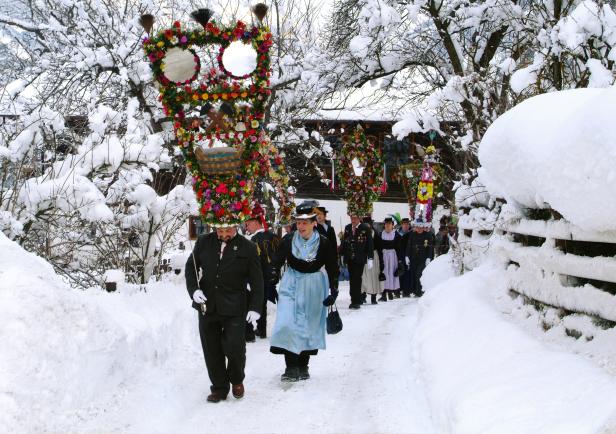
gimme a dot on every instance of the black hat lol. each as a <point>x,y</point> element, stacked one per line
<point>306,209</point>
<point>388,220</point>
<point>322,209</point>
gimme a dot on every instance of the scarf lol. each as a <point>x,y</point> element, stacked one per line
<point>305,250</point>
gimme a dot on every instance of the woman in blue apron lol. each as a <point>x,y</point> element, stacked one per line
<point>308,286</point>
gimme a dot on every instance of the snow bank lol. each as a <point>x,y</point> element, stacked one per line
<point>556,150</point>
<point>484,375</point>
<point>73,348</point>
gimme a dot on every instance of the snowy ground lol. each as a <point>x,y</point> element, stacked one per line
<point>130,362</point>
<point>485,374</point>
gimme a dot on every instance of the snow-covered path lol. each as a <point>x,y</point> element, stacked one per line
<point>365,382</point>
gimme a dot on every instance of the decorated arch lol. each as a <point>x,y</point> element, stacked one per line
<point>360,169</point>
<point>214,84</point>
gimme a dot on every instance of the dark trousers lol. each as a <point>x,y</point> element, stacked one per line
<point>293,360</point>
<point>406,282</point>
<point>355,272</point>
<point>222,337</point>
<point>262,322</point>
<point>417,267</point>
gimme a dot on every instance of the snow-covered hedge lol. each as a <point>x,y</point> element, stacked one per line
<point>72,348</point>
<point>556,150</point>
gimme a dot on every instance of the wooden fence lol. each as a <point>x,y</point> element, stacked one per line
<point>550,262</point>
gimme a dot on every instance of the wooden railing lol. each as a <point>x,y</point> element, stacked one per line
<point>550,262</point>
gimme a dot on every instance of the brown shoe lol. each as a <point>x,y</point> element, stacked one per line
<point>237,390</point>
<point>216,397</point>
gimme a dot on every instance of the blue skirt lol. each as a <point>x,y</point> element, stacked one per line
<point>301,316</point>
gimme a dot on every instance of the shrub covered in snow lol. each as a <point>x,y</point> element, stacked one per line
<point>556,150</point>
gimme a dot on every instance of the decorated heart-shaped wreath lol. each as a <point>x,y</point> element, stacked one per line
<point>360,191</point>
<point>218,116</point>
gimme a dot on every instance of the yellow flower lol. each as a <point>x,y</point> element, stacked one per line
<point>195,97</point>
<point>224,96</point>
<point>244,94</point>
<point>215,96</point>
<point>160,44</point>
<point>254,124</point>
<point>204,96</point>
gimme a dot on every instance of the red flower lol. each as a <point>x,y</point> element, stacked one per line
<point>222,188</point>
<point>220,212</point>
<point>176,24</point>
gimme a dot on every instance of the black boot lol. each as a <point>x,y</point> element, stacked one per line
<point>383,296</point>
<point>373,299</point>
<point>363,297</point>
<point>291,374</point>
<point>390,294</point>
<point>303,373</point>
<point>397,293</point>
<point>406,294</point>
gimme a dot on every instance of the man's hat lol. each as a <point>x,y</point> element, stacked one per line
<point>306,209</point>
<point>258,213</point>
<point>322,209</point>
<point>388,220</point>
<point>420,223</point>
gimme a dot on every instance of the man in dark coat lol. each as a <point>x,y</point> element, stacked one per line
<point>357,249</point>
<point>405,277</point>
<point>420,251</point>
<point>324,227</point>
<point>267,245</point>
<point>228,263</point>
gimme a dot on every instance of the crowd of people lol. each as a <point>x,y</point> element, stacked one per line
<point>388,263</point>
<point>230,278</point>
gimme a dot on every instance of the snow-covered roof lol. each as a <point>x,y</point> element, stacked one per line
<point>364,114</point>
<point>557,150</point>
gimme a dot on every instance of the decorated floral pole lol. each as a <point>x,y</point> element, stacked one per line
<point>425,188</point>
<point>360,168</point>
<point>218,114</point>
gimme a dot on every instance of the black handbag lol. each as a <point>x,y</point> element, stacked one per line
<point>334,322</point>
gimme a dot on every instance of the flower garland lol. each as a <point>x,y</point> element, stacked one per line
<point>223,199</point>
<point>361,191</point>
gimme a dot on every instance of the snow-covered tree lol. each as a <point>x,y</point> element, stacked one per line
<point>90,175</point>
<point>466,62</point>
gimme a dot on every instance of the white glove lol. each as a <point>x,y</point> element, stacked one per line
<point>407,261</point>
<point>427,261</point>
<point>199,296</point>
<point>370,264</point>
<point>252,318</point>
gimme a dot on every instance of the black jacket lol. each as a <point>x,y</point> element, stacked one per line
<point>420,247</point>
<point>268,244</point>
<point>357,248</point>
<point>224,280</point>
<point>330,234</point>
<point>325,257</point>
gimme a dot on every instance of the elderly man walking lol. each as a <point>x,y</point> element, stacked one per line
<point>227,264</point>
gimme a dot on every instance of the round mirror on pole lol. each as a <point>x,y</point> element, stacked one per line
<point>239,60</point>
<point>181,66</point>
